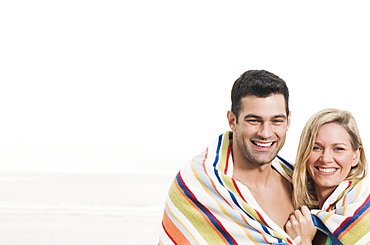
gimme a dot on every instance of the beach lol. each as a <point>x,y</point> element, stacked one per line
<point>81,208</point>
<point>102,102</point>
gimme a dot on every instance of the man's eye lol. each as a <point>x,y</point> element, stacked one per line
<point>253,121</point>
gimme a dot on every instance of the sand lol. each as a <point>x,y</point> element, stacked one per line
<point>81,208</point>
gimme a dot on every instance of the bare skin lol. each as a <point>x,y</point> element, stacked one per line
<point>300,223</point>
<point>273,187</point>
<point>259,132</point>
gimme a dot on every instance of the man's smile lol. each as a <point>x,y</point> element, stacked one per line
<point>263,144</point>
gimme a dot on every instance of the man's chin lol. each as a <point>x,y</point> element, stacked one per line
<point>263,160</point>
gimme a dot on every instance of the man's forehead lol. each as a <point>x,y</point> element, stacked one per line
<point>264,117</point>
<point>272,104</point>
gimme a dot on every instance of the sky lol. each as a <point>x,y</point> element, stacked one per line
<point>143,86</point>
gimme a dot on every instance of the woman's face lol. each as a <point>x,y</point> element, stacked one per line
<point>331,158</point>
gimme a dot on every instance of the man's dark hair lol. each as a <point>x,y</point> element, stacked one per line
<point>259,83</point>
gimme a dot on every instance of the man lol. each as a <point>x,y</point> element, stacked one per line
<point>238,191</point>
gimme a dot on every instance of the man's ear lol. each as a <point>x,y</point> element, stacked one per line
<point>289,119</point>
<point>232,120</point>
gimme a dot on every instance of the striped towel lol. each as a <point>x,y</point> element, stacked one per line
<point>205,205</point>
<point>346,213</point>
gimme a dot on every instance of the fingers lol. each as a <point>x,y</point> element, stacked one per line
<point>306,215</point>
<point>290,229</point>
<point>298,215</point>
<point>294,217</point>
<point>299,219</point>
<point>300,224</point>
<point>297,240</point>
<point>302,215</point>
<point>305,211</point>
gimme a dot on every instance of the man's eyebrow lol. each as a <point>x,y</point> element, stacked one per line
<point>259,117</point>
<point>253,116</point>
<point>280,115</point>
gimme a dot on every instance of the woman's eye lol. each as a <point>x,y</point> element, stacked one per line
<point>339,149</point>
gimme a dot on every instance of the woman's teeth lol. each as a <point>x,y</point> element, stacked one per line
<point>327,170</point>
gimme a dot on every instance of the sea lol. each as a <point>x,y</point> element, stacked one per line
<point>80,204</point>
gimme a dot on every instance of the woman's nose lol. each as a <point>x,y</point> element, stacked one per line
<point>326,156</point>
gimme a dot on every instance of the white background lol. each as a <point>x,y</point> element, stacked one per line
<point>143,86</point>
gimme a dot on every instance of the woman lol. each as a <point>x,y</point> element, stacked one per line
<point>330,178</point>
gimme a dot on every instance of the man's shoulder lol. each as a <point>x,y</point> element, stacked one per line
<point>285,162</point>
<point>283,167</point>
<point>214,155</point>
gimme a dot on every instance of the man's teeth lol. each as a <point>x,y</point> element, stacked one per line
<point>263,144</point>
<point>327,170</point>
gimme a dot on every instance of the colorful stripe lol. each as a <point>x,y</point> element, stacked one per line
<point>346,213</point>
<point>207,206</point>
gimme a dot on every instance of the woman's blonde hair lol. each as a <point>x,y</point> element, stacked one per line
<point>302,181</point>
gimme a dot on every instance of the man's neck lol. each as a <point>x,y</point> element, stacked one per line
<point>256,175</point>
<point>265,183</point>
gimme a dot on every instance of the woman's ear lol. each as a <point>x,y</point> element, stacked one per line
<point>356,157</point>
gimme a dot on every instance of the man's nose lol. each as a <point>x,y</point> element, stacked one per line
<point>265,131</point>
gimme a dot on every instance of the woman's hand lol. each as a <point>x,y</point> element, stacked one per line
<point>300,224</point>
<point>297,240</point>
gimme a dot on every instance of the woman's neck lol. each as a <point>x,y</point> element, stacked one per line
<point>323,194</point>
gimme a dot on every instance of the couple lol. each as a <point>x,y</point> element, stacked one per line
<point>238,191</point>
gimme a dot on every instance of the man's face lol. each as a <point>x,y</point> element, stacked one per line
<point>261,129</point>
